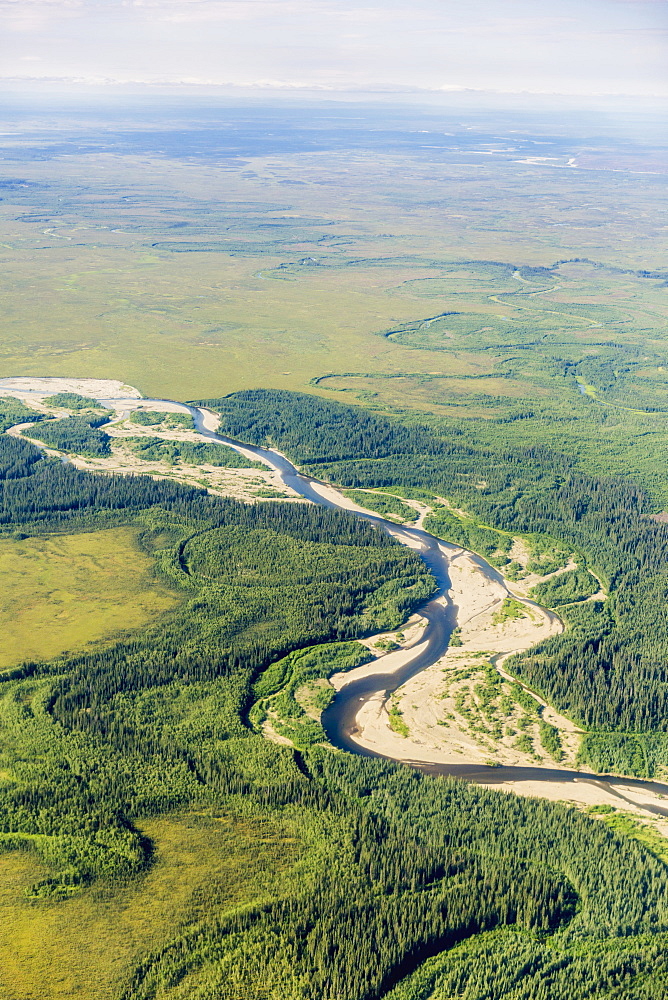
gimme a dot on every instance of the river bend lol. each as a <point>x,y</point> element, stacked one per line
<point>339,720</point>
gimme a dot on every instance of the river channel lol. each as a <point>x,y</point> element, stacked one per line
<point>340,719</point>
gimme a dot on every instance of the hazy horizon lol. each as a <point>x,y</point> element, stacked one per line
<point>418,50</point>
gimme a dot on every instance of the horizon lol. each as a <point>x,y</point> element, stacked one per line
<point>425,50</point>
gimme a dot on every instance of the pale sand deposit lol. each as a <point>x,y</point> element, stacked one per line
<point>433,737</point>
<point>385,663</point>
<point>634,799</point>
<point>437,733</point>
<point>125,406</point>
<point>240,484</point>
<point>210,420</point>
<point>333,495</point>
<point>520,553</point>
<point>475,597</point>
<point>407,636</point>
<point>97,388</point>
<point>423,709</point>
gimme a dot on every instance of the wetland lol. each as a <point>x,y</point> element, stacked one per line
<point>333,440</point>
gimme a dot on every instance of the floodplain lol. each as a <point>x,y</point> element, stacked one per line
<point>458,274</point>
<point>489,290</point>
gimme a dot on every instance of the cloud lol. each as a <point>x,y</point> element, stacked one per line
<point>35,15</point>
<point>51,5</point>
<point>337,44</point>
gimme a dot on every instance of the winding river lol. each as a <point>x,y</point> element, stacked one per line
<point>339,720</point>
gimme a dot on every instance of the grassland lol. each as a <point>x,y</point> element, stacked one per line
<point>314,257</point>
<point>62,592</point>
<point>203,865</point>
<point>520,299</point>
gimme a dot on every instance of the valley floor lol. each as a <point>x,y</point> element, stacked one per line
<point>463,709</point>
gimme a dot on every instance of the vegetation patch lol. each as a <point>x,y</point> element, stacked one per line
<point>155,418</point>
<point>498,714</point>
<point>566,588</point>
<point>396,718</point>
<point>72,401</point>
<point>550,740</point>
<point>628,825</point>
<point>78,434</point>
<point>13,412</point>
<point>155,449</point>
<point>386,645</point>
<point>292,693</point>
<point>510,610</point>
<point>62,592</point>
<point>470,534</point>
<point>383,504</point>
<point>642,754</point>
<point>546,555</point>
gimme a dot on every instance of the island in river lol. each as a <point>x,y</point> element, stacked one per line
<point>407,704</point>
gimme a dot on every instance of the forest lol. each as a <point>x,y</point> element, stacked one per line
<point>14,412</point>
<point>608,672</point>
<point>400,881</point>
<point>78,434</point>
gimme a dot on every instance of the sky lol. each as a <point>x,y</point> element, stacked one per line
<point>587,47</point>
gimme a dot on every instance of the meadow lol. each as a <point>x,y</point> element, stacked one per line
<point>458,276</point>
<point>61,593</point>
<point>202,862</point>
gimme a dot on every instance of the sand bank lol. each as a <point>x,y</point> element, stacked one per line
<point>25,387</point>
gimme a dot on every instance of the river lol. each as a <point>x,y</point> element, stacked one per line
<point>339,720</point>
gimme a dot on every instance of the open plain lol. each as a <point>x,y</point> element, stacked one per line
<point>467,309</point>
